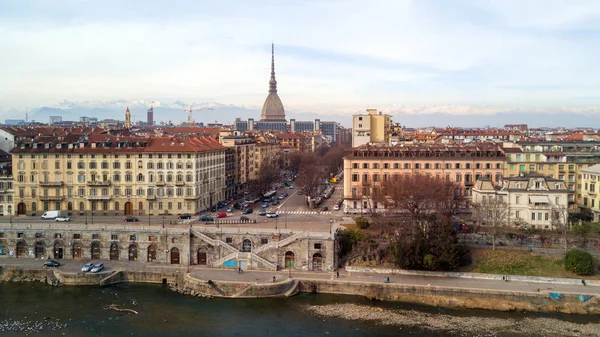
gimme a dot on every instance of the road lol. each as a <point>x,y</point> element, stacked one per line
<point>215,274</point>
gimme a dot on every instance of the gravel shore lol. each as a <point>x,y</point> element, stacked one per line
<point>464,325</point>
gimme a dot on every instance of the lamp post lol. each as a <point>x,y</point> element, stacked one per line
<point>85,218</point>
<point>148,217</point>
<point>330,225</point>
<point>92,217</point>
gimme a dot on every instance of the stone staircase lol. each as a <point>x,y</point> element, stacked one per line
<point>281,243</point>
<point>252,257</point>
<point>214,242</point>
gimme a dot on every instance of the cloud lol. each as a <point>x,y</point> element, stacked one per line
<point>330,55</point>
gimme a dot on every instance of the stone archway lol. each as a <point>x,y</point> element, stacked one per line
<point>133,253</point>
<point>95,251</point>
<point>317,262</point>
<point>202,256</point>
<point>21,249</point>
<point>246,246</point>
<point>21,209</point>
<point>77,251</point>
<point>128,208</point>
<point>289,259</point>
<point>174,255</point>
<point>151,253</point>
<point>40,250</point>
<point>58,250</point>
<point>114,251</point>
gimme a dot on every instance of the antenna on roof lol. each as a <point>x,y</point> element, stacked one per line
<point>26,115</point>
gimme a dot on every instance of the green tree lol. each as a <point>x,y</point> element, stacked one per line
<point>579,262</point>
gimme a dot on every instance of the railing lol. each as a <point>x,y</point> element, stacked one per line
<point>160,183</point>
<point>51,183</point>
<point>99,183</point>
<point>99,197</point>
<point>179,183</point>
<point>52,198</point>
<point>191,197</point>
<point>150,197</point>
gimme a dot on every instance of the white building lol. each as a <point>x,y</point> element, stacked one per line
<point>530,198</point>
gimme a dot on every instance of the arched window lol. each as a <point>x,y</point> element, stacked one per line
<point>150,166</point>
<point>140,177</point>
<point>179,165</point>
<point>140,164</point>
<point>170,177</point>
<point>81,206</point>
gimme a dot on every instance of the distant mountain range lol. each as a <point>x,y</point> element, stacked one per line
<point>208,112</point>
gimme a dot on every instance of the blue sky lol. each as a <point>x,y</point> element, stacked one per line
<point>459,56</point>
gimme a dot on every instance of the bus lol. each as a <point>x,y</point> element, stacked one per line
<point>269,195</point>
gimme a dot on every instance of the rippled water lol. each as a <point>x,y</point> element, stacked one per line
<point>37,309</point>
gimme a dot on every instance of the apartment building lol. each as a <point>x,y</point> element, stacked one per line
<point>371,128</point>
<point>590,184</point>
<point>367,167</point>
<point>267,153</point>
<point>243,156</point>
<point>532,199</point>
<point>6,193</point>
<point>111,175</point>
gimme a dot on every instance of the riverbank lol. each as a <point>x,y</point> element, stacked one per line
<point>463,325</point>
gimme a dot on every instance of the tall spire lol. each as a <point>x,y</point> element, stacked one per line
<point>272,82</point>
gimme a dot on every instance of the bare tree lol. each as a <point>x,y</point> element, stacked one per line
<point>294,160</point>
<point>334,159</point>
<point>311,175</point>
<point>492,214</point>
<point>268,174</point>
<point>560,222</point>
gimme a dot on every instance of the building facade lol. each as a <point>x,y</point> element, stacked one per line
<point>590,184</point>
<point>243,152</point>
<point>371,128</point>
<point>366,168</point>
<point>110,175</point>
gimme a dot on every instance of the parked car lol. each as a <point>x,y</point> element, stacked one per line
<point>51,263</point>
<point>262,212</point>
<point>206,218</point>
<point>222,215</point>
<point>97,267</point>
<point>130,218</point>
<point>336,207</point>
<point>291,187</point>
<point>244,218</point>
<point>265,205</point>
<point>300,192</point>
<point>62,219</point>
<point>275,202</point>
<point>281,197</point>
<point>87,267</point>
<point>50,215</point>
<point>272,215</point>
<point>229,209</point>
<point>248,210</point>
<point>324,208</point>
<point>185,216</point>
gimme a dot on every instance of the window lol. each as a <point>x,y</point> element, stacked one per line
<point>151,238</point>
<point>116,165</point>
<point>317,246</point>
<point>229,240</point>
<point>131,237</point>
<point>365,165</point>
<point>354,177</point>
<point>95,236</point>
<point>517,214</point>
<point>76,236</point>
<point>532,216</point>
<point>517,199</point>
<point>114,237</point>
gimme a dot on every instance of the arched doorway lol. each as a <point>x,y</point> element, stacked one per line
<point>246,246</point>
<point>132,253</point>
<point>58,250</point>
<point>317,261</point>
<point>21,249</point>
<point>21,209</point>
<point>202,256</point>
<point>174,255</point>
<point>3,249</point>
<point>151,253</point>
<point>77,254</point>
<point>95,251</point>
<point>114,252</point>
<point>40,251</point>
<point>128,208</point>
<point>289,259</point>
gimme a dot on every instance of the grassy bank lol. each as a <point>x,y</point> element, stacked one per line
<point>511,262</point>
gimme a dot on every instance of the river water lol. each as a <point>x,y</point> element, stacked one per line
<point>37,309</point>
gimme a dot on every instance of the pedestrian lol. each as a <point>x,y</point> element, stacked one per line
<point>273,279</point>
<point>583,282</point>
<point>388,279</point>
<point>337,273</point>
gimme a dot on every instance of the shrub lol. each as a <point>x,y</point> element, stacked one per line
<point>362,222</point>
<point>430,262</point>
<point>579,262</point>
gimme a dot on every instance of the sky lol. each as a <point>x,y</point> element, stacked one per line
<point>459,56</point>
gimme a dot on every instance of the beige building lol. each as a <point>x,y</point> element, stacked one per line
<point>371,128</point>
<point>267,153</point>
<point>109,175</point>
<point>590,184</point>
<point>366,168</point>
<point>533,199</point>
<point>6,195</point>
<point>244,150</point>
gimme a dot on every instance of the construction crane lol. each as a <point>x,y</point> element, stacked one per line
<point>191,121</point>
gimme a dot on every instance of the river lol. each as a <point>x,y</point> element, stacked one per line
<point>37,309</point>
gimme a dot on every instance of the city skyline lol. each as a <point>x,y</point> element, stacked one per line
<point>412,57</point>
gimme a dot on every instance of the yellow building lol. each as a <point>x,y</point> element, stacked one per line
<point>267,153</point>
<point>371,128</point>
<point>244,149</point>
<point>111,175</point>
<point>590,181</point>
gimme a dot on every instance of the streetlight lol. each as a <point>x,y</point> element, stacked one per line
<point>85,218</point>
<point>330,225</point>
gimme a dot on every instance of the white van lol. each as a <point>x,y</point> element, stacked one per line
<point>51,215</point>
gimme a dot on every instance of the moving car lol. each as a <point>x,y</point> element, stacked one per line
<point>275,202</point>
<point>62,219</point>
<point>222,215</point>
<point>130,218</point>
<point>51,263</point>
<point>324,208</point>
<point>244,218</point>
<point>272,215</point>
<point>265,205</point>
<point>185,216</point>
<point>262,212</point>
<point>51,215</point>
<point>248,210</point>
<point>97,267</point>
<point>206,218</point>
<point>291,187</point>
<point>230,209</point>
<point>336,207</point>
<point>87,267</point>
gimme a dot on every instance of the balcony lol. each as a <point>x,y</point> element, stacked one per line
<point>150,197</point>
<point>51,183</point>
<point>191,197</point>
<point>160,183</point>
<point>99,197</point>
<point>180,183</point>
<point>99,183</point>
<point>52,198</point>
<point>469,182</point>
<point>366,183</point>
